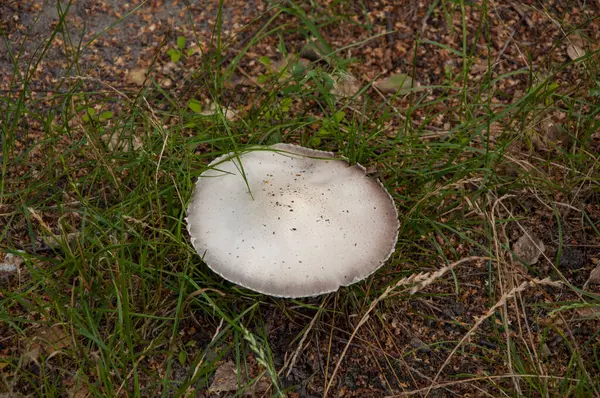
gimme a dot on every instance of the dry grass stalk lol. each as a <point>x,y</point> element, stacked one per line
<point>473,379</point>
<point>502,278</point>
<point>505,297</point>
<point>422,279</point>
<point>290,366</point>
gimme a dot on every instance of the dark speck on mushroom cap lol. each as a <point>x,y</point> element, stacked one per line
<point>314,224</point>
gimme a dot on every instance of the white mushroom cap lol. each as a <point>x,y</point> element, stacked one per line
<point>311,224</point>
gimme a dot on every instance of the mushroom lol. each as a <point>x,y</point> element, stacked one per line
<point>289,221</point>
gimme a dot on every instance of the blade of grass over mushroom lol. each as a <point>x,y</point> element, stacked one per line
<point>218,86</point>
<point>236,151</point>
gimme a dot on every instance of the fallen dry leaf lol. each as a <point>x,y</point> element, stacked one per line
<point>345,86</point>
<point>399,83</point>
<point>419,345</point>
<point>211,110</point>
<point>549,136</point>
<point>78,391</point>
<point>115,143</point>
<point>54,241</point>
<point>260,387</point>
<point>226,379</point>
<point>594,278</point>
<point>555,131</point>
<point>48,339</point>
<point>282,63</point>
<point>292,64</point>
<point>546,350</point>
<point>314,51</point>
<point>574,52</point>
<point>575,46</point>
<point>528,249</point>
<point>576,39</point>
<point>589,312</point>
<point>479,69</point>
<point>137,76</point>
